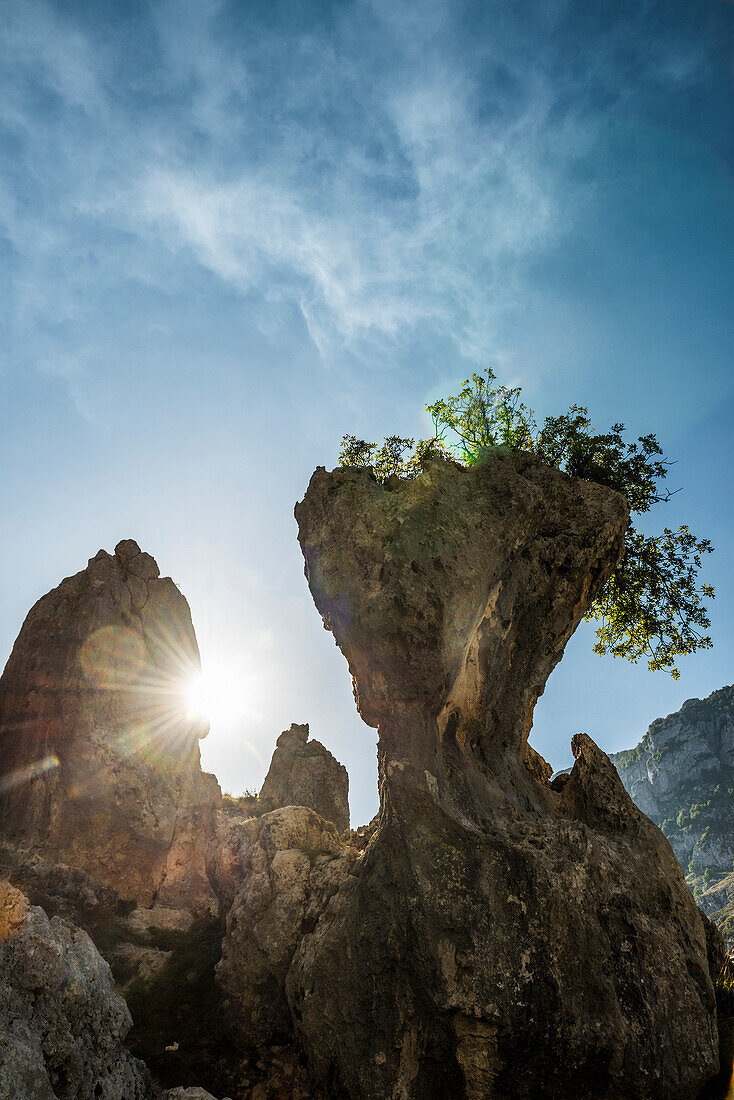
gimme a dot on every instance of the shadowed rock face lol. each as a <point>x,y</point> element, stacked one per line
<point>99,763</point>
<point>497,932</point>
<point>62,1026</point>
<point>304,773</point>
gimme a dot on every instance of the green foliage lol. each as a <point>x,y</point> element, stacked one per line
<point>387,461</point>
<point>481,416</point>
<point>724,989</point>
<point>246,804</point>
<point>718,1088</point>
<point>652,605</point>
<point>627,757</point>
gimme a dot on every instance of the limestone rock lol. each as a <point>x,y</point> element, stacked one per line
<point>304,773</point>
<point>98,757</point>
<point>681,775</point>
<point>62,1026</point>
<point>144,921</point>
<point>496,933</point>
<point>281,1075</point>
<point>194,1093</point>
<point>63,891</point>
<point>276,873</point>
<point>13,909</point>
<point>132,946</point>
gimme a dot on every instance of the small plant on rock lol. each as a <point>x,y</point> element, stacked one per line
<point>652,606</point>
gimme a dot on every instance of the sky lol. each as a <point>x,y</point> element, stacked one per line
<point>232,232</point>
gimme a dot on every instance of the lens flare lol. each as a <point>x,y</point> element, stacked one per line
<point>146,676</point>
<point>30,771</point>
<point>112,657</point>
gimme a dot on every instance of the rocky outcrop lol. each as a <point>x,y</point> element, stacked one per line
<point>98,757</point>
<point>62,1026</point>
<point>304,773</point>
<point>276,863</point>
<point>194,1093</point>
<point>497,932</point>
<point>188,1094</point>
<point>681,775</point>
<point>276,873</point>
<point>107,821</point>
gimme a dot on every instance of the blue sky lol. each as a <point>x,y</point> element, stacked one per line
<point>231,232</point>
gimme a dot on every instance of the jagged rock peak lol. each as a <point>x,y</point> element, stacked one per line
<point>304,773</point>
<point>98,754</point>
<point>135,561</point>
<point>493,920</point>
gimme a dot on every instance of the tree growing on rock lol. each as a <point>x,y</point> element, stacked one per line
<point>652,606</point>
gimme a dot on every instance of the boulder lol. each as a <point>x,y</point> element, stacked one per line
<point>99,758</point>
<point>304,773</point>
<point>498,936</point>
<point>62,1025</point>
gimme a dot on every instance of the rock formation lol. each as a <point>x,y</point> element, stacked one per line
<point>108,822</point>
<point>304,773</point>
<point>681,775</point>
<point>498,936</point>
<point>194,1093</point>
<point>99,761</point>
<point>276,873</point>
<point>491,934</point>
<point>62,1025</point>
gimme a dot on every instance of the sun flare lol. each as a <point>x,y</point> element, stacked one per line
<point>219,695</point>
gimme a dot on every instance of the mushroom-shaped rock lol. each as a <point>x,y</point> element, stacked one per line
<point>99,760</point>
<point>304,773</point>
<point>498,937</point>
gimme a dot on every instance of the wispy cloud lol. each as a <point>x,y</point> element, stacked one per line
<point>375,167</point>
<point>420,214</point>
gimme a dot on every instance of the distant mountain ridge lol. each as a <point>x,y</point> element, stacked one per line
<point>681,775</point>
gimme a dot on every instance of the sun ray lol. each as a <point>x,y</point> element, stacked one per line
<point>221,694</point>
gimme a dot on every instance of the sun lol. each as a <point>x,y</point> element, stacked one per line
<point>198,697</point>
<point>217,695</point>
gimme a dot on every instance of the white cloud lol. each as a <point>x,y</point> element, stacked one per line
<point>449,256</point>
<point>377,197</point>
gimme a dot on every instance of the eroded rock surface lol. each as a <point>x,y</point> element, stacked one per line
<point>194,1093</point>
<point>276,873</point>
<point>304,773</point>
<point>62,1026</point>
<point>98,758</point>
<point>497,936</point>
<point>681,775</point>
